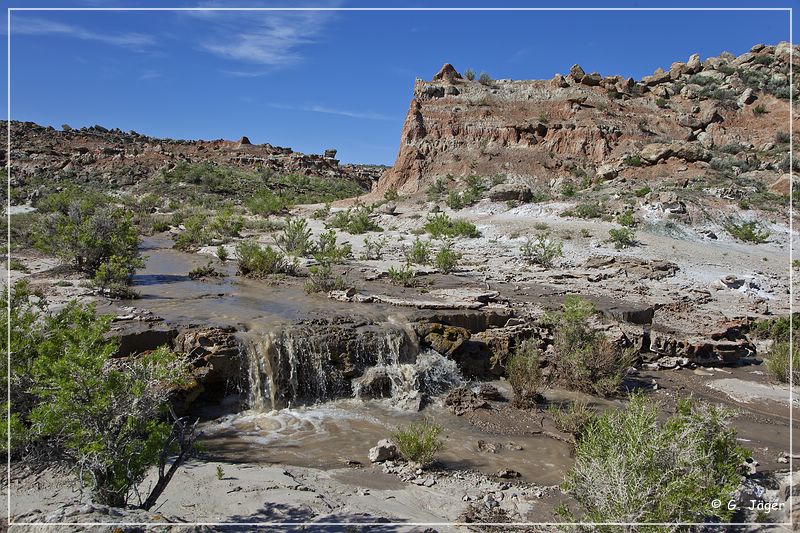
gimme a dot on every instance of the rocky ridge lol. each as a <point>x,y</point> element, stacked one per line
<point>603,127</point>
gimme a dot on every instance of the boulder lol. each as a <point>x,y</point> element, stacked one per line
<point>659,76</point>
<point>694,64</point>
<point>504,192</point>
<point>655,152</point>
<point>558,81</point>
<point>385,450</point>
<point>444,339</point>
<point>747,97</point>
<point>592,80</point>
<point>576,73</point>
<point>447,73</point>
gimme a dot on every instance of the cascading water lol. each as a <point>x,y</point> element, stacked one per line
<point>317,362</point>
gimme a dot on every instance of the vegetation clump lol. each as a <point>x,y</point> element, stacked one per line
<point>524,374</point>
<point>355,220</point>
<point>106,420</point>
<point>630,467</point>
<point>440,225</point>
<point>622,237</point>
<point>750,231</point>
<point>585,360</point>
<point>446,259</point>
<point>542,250</point>
<point>418,442</point>
<point>256,261</point>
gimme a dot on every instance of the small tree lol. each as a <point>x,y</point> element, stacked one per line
<point>485,79</point>
<point>84,230</point>
<point>419,442</point>
<point>295,238</point>
<point>469,74</point>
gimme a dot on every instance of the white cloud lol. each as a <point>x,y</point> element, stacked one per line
<point>367,115</point>
<point>267,38</point>
<point>26,25</point>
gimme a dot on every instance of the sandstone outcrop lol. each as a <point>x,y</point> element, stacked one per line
<point>536,130</point>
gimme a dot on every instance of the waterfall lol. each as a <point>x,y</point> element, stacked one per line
<point>317,362</point>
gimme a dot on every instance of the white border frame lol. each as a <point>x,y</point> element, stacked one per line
<point>788,10</point>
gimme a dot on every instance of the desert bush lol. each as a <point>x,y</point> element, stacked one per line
<point>585,360</point>
<point>469,74</point>
<point>205,271</point>
<point>322,213</point>
<point>418,442</point>
<point>222,253</point>
<point>485,79</point>
<point>776,329</point>
<point>633,161</point>
<point>780,362</point>
<point>325,250</point>
<point>542,250</point>
<point>194,234</point>
<point>631,468</point>
<point>436,189</point>
<point>747,231</point>
<point>114,276</point>
<point>622,237</point>
<point>391,195</point>
<point>403,276</point>
<point>440,225</point>
<point>265,202</point>
<point>626,219</point>
<point>256,261</point>
<point>295,238</point>
<point>83,229</point>
<point>420,252</point>
<point>225,224</point>
<point>355,220</point>
<point>641,193</point>
<point>322,279</point>
<point>568,190</point>
<point>594,210</point>
<point>782,137</point>
<point>454,200</point>
<point>373,250</point>
<point>759,109</point>
<point>525,375</point>
<point>73,406</point>
<point>574,419</point>
<point>446,259</point>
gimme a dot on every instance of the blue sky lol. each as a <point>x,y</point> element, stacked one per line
<point>317,80</point>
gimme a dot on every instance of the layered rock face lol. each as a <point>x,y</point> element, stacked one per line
<point>119,158</point>
<point>544,129</point>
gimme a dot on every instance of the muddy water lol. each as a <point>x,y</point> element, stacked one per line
<point>329,435</point>
<point>166,289</point>
<point>325,435</point>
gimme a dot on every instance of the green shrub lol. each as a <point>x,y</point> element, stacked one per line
<point>207,271</point>
<point>542,250</point>
<point>19,266</point>
<point>194,234</point>
<point>418,442</point>
<point>160,225</point>
<point>265,202</point>
<point>633,161</point>
<point>420,252</point>
<point>641,193</point>
<point>780,362</point>
<point>373,250</point>
<point>322,213</point>
<point>355,220</point>
<point>626,219</point>
<point>402,276</point>
<point>256,261</point>
<point>454,200</point>
<point>585,360</point>
<point>777,328</point>
<point>83,229</point>
<point>436,189</point>
<point>662,103</point>
<point>622,237</point>
<point>568,190</point>
<point>295,238</point>
<point>326,251</point>
<point>222,253</point>
<point>446,259</point>
<point>391,195</point>
<point>114,276</point>
<point>469,74</point>
<point>74,407</point>
<point>524,374</point>
<point>225,224</point>
<point>589,210</point>
<point>574,419</point>
<point>760,109</point>
<point>485,79</point>
<point>440,225</point>
<point>746,231</point>
<point>321,279</point>
<point>782,137</point>
<point>631,468</point>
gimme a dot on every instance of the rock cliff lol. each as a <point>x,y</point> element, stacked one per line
<point>592,125</point>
